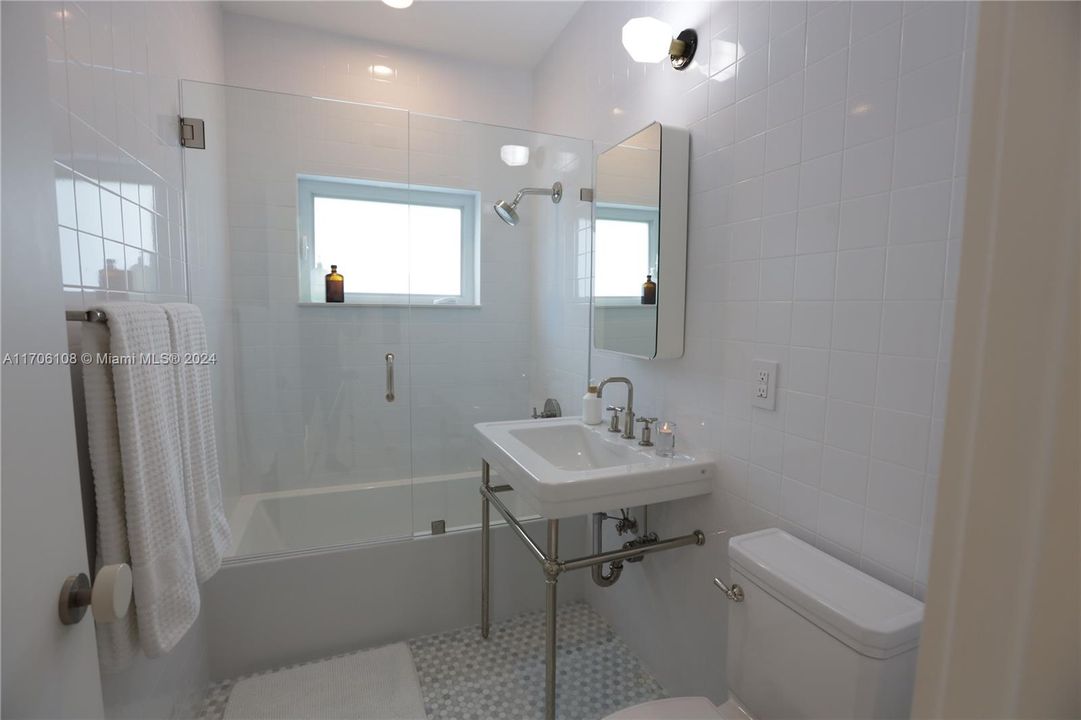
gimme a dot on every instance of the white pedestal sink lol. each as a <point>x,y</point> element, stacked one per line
<point>564,468</point>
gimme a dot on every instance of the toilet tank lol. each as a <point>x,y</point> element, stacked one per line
<point>815,637</point>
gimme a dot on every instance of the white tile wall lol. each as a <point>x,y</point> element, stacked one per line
<point>828,157</point>
<point>270,55</point>
<point>114,69</point>
<point>117,164</point>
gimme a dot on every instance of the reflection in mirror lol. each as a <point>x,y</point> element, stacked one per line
<point>627,244</point>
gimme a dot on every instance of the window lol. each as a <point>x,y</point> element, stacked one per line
<point>395,244</point>
<point>626,251</point>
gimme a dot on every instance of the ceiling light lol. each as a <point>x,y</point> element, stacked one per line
<point>514,155</point>
<point>649,40</point>
<point>381,72</point>
<point>398,4</point>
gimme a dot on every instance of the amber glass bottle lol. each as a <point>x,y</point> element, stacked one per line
<point>335,286</point>
<point>649,291</point>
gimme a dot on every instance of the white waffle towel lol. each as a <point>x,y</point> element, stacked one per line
<point>117,642</point>
<point>210,534</point>
<point>154,520</point>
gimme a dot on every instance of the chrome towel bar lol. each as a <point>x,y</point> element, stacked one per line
<point>85,316</point>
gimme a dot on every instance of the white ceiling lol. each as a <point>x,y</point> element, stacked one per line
<point>514,33</point>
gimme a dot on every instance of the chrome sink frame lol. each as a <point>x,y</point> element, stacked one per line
<point>552,566</point>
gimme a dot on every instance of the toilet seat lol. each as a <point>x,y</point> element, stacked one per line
<point>677,708</point>
<point>683,708</point>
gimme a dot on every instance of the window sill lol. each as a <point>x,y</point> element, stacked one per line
<point>388,305</point>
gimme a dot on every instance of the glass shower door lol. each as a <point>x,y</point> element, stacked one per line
<point>352,422</point>
<point>477,346</point>
<point>314,450</point>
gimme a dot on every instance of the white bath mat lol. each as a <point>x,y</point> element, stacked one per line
<point>378,684</point>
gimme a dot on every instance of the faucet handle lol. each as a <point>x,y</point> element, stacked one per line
<point>647,432</point>
<point>613,426</point>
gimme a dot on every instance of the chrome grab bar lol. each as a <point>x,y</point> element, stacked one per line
<point>390,377</point>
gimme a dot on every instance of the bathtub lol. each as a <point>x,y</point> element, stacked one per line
<point>329,570</point>
<point>291,521</point>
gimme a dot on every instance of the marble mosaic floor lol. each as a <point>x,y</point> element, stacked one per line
<point>463,677</point>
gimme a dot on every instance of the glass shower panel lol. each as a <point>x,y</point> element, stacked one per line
<point>474,352</point>
<point>352,422</point>
<point>317,452</point>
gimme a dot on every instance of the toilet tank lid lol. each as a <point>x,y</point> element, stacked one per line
<point>864,613</point>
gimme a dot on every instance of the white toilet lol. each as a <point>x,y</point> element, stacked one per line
<point>813,638</point>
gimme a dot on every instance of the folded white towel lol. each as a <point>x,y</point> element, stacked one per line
<point>210,534</point>
<point>162,563</point>
<point>119,641</point>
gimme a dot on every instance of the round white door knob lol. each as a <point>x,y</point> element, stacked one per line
<point>111,595</point>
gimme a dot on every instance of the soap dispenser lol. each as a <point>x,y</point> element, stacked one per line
<point>591,406</point>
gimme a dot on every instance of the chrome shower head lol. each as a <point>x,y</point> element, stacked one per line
<point>508,211</point>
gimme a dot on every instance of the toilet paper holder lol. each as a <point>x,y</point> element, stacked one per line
<point>109,599</point>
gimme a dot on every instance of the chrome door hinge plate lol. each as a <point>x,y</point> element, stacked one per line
<point>192,134</point>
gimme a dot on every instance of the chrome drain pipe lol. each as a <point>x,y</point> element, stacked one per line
<point>600,577</point>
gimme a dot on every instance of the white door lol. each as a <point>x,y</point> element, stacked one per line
<point>49,670</point>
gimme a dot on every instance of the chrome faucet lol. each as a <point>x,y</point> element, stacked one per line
<point>628,417</point>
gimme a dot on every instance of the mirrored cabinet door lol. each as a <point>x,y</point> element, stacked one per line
<point>640,244</point>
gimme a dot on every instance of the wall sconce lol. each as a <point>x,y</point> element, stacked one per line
<point>649,40</point>
<point>398,4</point>
<point>514,155</point>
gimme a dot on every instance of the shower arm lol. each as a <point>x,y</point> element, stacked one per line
<point>555,193</point>
<point>530,191</point>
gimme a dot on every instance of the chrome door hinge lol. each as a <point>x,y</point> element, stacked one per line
<point>192,134</point>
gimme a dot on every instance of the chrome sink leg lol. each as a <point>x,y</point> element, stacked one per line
<point>553,567</point>
<point>485,552</point>
<point>550,581</point>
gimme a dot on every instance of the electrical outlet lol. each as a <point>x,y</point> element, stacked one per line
<point>765,384</point>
